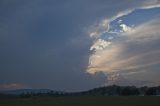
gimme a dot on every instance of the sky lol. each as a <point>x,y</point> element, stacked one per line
<point>75,45</point>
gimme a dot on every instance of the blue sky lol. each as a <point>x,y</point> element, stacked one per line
<point>52,43</point>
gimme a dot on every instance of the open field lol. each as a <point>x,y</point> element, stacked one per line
<point>83,101</point>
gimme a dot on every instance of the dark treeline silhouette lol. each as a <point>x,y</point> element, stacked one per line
<point>50,93</point>
<point>113,90</point>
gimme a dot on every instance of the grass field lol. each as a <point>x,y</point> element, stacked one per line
<point>83,101</point>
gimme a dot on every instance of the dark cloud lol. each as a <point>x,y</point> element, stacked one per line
<point>45,44</point>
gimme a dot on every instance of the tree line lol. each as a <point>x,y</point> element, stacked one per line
<point>113,90</point>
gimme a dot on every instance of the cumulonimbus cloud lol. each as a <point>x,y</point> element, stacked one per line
<point>138,49</point>
<point>134,50</point>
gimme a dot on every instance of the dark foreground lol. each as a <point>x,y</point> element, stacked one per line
<point>83,101</point>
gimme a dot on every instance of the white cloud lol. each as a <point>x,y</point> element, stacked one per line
<point>100,44</point>
<point>99,29</point>
<point>144,32</point>
<point>125,28</point>
<point>151,4</point>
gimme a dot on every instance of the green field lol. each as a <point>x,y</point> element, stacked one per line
<point>83,101</point>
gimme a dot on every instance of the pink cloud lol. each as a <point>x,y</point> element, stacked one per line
<point>10,86</point>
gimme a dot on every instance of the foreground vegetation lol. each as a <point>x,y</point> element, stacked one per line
<point>102,96</point>
<point>82,101</point>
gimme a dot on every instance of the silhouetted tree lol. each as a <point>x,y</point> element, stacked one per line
<point>151,91</point>
<point>130,91</point>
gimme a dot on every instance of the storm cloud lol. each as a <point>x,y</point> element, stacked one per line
<point>46,43</point>
<point>126,50</point>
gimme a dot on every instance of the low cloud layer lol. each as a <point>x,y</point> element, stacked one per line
<point>12,86</point>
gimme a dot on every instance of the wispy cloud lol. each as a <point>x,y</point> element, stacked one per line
<point>137,49</point>
<point>11,86</point>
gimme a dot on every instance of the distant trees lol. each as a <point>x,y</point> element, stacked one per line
<point>113,90</point>
<point>110,90</point>
<point>152,91</point>
<point>123,91</point>
<point>127,91</point>
<point>25,95</point>
<point>50,93</point>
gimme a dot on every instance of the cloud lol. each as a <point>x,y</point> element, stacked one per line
<point>137,49</point>
<point>125,28</point>
<point>12,86</point>
<point>104,25</point>
<point>146,4</point>
<point>99,29</point>
<point>106,59</point>
<point>100,44</point>
<point>144,32</point>
<point>38,37</point>
<point>151,4</point>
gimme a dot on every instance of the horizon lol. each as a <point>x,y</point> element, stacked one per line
<point>77,45</point>
<point>143,90</point>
